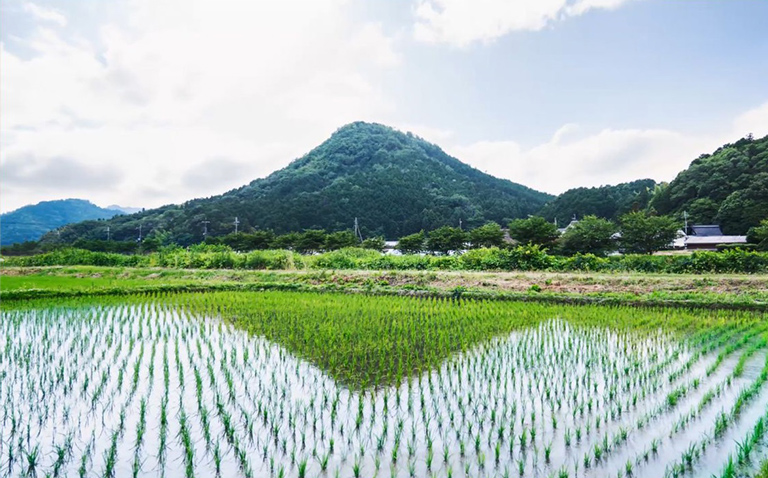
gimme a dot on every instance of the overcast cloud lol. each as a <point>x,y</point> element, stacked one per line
<point>146,102</point>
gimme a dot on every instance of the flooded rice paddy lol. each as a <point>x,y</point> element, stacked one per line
<point>155,387</point>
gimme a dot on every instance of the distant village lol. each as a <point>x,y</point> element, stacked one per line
<point>697,237</point>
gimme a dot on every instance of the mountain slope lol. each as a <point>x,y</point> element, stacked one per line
<point>395,183</point>
<point>728,187</point>
<point>608,202</point>
<point>29,223</point>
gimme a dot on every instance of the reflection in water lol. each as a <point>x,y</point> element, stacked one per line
<point>149,391</point>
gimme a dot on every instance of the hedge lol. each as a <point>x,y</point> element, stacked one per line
<point>524,258</point>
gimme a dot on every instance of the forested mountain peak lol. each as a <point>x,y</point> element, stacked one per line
<point>395,184</point>
<point>608,202</point>
<point>728,187</point>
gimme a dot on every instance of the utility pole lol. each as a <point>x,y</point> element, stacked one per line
<point>685,218</point>
<point>460,224</point>
<point>236,224</point>
<point>205,229</point>
<point>140,226</point>
<point>358,234</point>
<point>107,232</point>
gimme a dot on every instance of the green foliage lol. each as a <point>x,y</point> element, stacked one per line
<point>729,187</point>
<point>487,235</point>
<point>396,183</point>
<point>446,239</point>
<point>745,208</point>
<point>522,258</point>
<point>344,258</point>
<point>24,248</point>
<point>373,243</point>
<point>412,243</point>
<point>242,241</point>
<point>643,233</point>
<point>311,240</point>
<point>339,240</point>
<point>758,235</point>
<point>29,223</point>
<point>590,235</point>
<point>286,241</point>
<point>608,202</point>
<point>98,245</point>
<point>739,260</point>
<point>534,230</point>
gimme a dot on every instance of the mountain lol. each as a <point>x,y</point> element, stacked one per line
<point>29,223</point>
<point>394,183</point>
<point>608,202</point>
<point>728,187</point>
<point>123,209</point>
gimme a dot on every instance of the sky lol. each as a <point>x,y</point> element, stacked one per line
<point>148,102</point>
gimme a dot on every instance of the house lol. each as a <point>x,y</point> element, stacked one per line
<point>710,243</point>
<point>707,237</point>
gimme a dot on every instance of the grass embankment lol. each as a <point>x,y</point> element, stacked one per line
<point>733,291</point>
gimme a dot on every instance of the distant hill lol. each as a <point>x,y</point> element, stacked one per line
<point>395,183</point>
<point>126,210</point>
<point>29,223</point>
<point>728,187</point>
<point>608,202</point>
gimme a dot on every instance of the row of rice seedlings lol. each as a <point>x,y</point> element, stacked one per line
<point>723,422</point>
<point>499,405</point>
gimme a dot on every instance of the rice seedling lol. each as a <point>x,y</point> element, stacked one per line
<point>289,384</point>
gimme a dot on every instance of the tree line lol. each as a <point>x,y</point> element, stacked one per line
<point>634,233</point>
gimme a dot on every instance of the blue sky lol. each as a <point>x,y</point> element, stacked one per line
<point>148,102</point>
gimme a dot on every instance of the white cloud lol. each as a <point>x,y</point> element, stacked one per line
<point>45,14</point>
<point>609,156</point>
<point>754,121</point>
<point>178,82</point>
<point>462,22</point>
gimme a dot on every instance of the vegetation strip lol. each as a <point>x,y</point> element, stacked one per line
<point>456,293</point>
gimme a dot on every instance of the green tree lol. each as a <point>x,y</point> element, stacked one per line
<point>340,239</point>
<point>445,239</point>
<point>645,234</point>
<point>487,235</point>
<point>702,211</point>
<point>745,208</point>
<point>237,241</point>
<point>534,230</point>
<point>374,243</point>
<point>412,243</point>
<point>311,240</point>
<point>590,235</point>
<point>758,235</point>
<point>608,202</point>
<point>286,241</point>
<point>262,239</point>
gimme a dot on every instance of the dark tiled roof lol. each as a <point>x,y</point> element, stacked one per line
<point>706,230</point>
